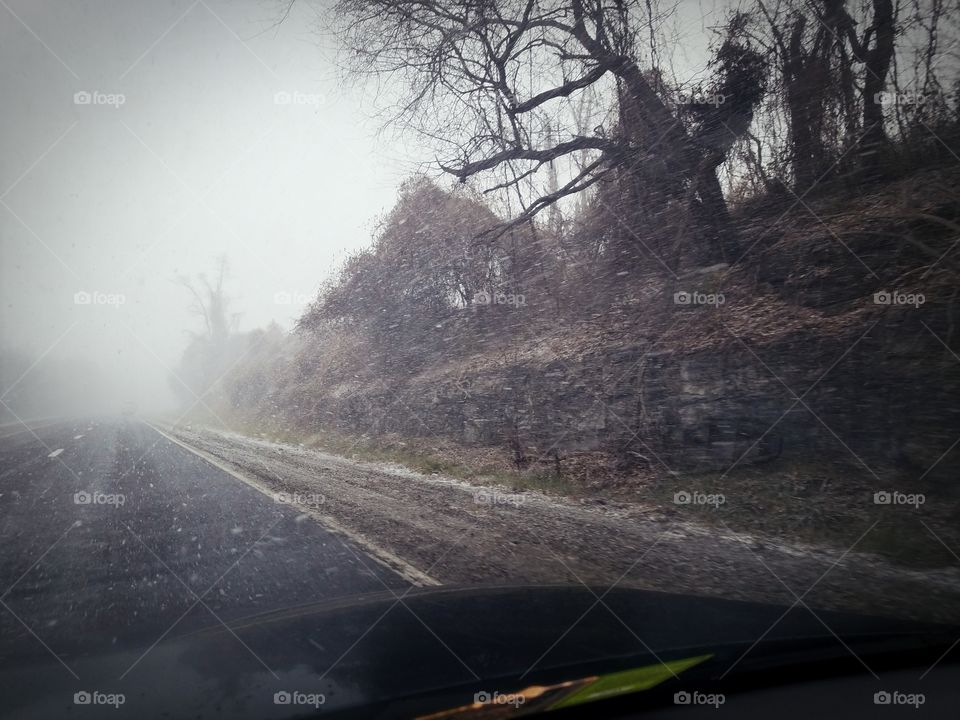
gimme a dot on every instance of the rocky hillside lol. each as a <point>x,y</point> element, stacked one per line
<point>815,372</point>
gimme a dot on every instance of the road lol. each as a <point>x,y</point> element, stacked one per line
<point>462,533</point>
<point>117,538</point>
<point>114,537</point>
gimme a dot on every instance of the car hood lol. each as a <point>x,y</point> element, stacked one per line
<point>402,655</point>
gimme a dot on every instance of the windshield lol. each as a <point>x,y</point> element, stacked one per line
<point>310,308</point>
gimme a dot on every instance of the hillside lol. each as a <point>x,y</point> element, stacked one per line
<point>798,394</point>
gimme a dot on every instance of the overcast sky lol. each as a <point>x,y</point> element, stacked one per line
<point>177,149</point>
<point>142,139</point>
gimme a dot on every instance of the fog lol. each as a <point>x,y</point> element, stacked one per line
<point>141,141</point>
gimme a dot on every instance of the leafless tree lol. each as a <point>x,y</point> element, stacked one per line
<point>491,81</point>
<point>208,350</point>
<point>210,303</point>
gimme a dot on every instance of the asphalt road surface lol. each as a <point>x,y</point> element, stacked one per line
<point>112,537</point>
<point>116,542</point>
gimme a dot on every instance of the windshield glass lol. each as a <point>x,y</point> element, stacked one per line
<point>319,319</point>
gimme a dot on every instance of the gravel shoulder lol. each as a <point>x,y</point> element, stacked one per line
<point>445,531</point>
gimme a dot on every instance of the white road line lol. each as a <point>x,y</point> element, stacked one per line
<point>77,437</point>
<point>386,558</point>
<point>55,453</point>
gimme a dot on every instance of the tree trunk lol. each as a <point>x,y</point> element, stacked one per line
<point>714,217</point>
<point>877,65</point>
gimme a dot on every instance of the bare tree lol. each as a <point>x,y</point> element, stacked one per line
<point>207,351</point>
<point>210,303</point>
<point>490,82</point>
<point>833,78</point>
<point>876,49</point>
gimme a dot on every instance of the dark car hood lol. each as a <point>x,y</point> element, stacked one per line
<point>399,655</point>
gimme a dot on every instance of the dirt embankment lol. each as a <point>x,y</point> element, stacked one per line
<point>455,532</point>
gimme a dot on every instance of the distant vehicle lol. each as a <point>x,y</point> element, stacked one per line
<point>129,409</point>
